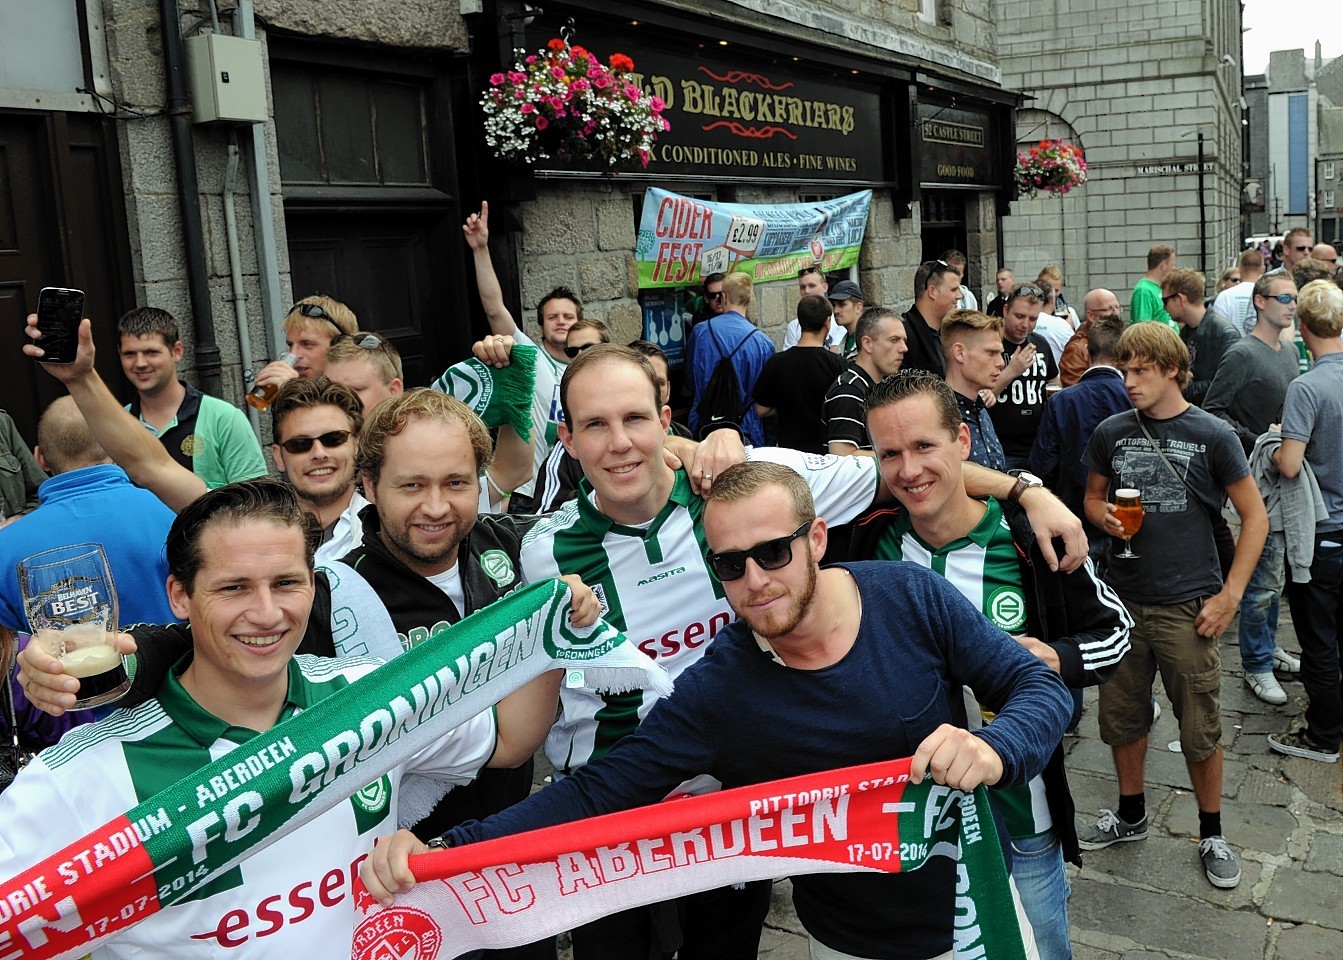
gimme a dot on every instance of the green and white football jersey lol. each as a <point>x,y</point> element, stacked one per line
<point>290,898</point>
<point>655,586</point>
<point>984,567</point>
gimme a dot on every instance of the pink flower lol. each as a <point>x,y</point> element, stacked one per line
<point>516,76</point>
<point>530,60</point>
<point>602,82</point>
<point>657,104</point>
<point>557,73</point>
<point>542,123</point>
<point>528,108</point>
<point>643,157</point>
<point>496,79</point>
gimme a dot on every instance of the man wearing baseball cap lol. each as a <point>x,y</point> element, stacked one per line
<point>846,298</point>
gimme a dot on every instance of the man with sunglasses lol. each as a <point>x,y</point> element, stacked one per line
<point>937,287</point>
<point>1020,404</point>
<point>310,328</point>
<point>1296,247</point>
<point>1236,303</point>
<point>1248,393</point>
<point>1072,622</point>
<point>369,365</point>
<point>1146,303</point>
<point>833,658</point>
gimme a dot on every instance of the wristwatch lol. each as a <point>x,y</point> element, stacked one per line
<point>1025,480</point>
<point>439,843</point>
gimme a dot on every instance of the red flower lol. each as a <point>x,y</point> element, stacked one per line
<point>620,62</point>
<point>555,44</point>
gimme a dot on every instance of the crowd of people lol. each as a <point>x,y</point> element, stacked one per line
<point>955,469</point>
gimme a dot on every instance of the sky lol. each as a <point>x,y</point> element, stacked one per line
<point>1270,31</point>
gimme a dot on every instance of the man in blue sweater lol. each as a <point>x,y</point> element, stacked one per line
<point>834,658</point>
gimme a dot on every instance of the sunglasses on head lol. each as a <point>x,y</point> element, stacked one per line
<point>1026,290</point>
<point>336,438</point>
<point>573,352</point>
<point>315,311</point>
<point>770,555</point>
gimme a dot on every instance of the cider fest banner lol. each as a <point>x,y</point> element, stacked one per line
<point>865,819</point>
<point>164,849</point>
<point>682,239</point>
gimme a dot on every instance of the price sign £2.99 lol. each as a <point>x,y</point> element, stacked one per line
<point>744,235</point>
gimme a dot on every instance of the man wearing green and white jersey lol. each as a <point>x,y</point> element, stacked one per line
<point>240,560</point>
<point>635,537</point>
<point>1073,622</point>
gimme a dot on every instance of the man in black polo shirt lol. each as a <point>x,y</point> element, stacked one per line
<point>937,287</point>
<point>881,349</point>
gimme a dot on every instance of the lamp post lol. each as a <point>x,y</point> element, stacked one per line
<point>1202,204</point>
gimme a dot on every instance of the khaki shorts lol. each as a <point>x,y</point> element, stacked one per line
<point>1164,638</point>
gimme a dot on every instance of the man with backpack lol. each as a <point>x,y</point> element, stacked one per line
<point>727,353</point>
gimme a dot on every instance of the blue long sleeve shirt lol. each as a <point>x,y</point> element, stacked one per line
<point>744,718</point>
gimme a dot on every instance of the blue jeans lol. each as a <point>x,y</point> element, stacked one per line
<point>1317,614</point>
<point>1259,607</point>
<point>1037,869</point>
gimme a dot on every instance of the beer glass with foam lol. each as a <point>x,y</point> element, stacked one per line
<point>71,604</point>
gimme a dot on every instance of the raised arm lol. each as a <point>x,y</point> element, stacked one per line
<point>1049,516</point>
<point>135,449</point>
<point>477,231</point>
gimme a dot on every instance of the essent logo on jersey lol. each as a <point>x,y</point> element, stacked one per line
<point>692,635</point>
<point>273,913</point>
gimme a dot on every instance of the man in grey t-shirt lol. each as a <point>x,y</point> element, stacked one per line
<point>1312,432</point>
<point>1183,462</point>
<point>1248,393</point>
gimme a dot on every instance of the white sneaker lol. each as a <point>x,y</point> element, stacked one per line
<point>1265,687</point>
<point>1284,661</point>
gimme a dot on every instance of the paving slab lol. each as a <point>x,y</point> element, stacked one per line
<point>1326,856</point>
<point>1167,921</point>
<point>1248,826</point>
<point>1170,863</point>
<point>1306,942</point>
<point>1303,897</point>
<point>1318,781</point>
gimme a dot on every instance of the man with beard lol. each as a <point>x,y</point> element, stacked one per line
<point>808,640</point>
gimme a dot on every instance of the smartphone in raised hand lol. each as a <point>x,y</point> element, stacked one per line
<point>59,310</point>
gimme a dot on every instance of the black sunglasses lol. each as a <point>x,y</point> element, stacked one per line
<point>770,555</point>
<point>1026,290</point>
<point>573,352</point>
<point>1301,249</point>
<point>336,438</point>
<point>315,311</point>
<point>710,295</point>
<point>1168,298</point>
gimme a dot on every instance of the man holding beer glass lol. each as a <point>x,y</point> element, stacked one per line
<point>1170,465</point>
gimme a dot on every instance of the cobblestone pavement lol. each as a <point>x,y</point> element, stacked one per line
<point>1150,900</point>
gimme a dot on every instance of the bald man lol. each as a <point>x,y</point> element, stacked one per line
<point>1325,252</point>
<point>1076,360</point>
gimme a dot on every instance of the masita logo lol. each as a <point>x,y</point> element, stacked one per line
<point>401,932</point>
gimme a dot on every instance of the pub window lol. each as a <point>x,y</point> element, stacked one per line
<point>1328,198</point>
<point>343,128</point>
<point>1328,169</point>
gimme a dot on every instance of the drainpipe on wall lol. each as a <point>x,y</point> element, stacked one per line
<point>188,190</point>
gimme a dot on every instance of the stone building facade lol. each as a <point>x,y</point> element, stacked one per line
<point>371,155</point>
<point>1142,87</point>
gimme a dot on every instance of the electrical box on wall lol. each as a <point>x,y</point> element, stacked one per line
<point>227,79</point>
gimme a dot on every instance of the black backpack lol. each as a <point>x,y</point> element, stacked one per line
<point>721,402</point>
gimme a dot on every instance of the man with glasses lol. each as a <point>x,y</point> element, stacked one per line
<point>310,327</point>
<point>937,287</point>
<point>1020,405</point>
<point>369,365</point>
<point>1146,303</point>
<point>1296,247</point>
<point>1248,393</point>
<point>809,639</point>
<point>733,337</point>
<point>206,435</point>
<point>1207,335</point>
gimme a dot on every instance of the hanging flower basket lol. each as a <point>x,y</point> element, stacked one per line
<point>561,102</point>
<point>1054,166</point>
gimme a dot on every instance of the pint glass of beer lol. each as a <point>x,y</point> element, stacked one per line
<point>71,603</point>
<point>1128,511</point>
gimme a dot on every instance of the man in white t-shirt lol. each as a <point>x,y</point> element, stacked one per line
<point>811,282</point>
